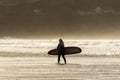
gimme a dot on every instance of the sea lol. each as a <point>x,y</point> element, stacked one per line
<point>40,46</point>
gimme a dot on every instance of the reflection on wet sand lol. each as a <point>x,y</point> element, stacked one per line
<point>46,68</point>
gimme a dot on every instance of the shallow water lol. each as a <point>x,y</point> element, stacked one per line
<point>46,68</point>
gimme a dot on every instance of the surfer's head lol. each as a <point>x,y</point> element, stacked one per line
<point>61,41</point>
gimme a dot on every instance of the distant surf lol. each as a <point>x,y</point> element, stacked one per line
<point>89,47</point>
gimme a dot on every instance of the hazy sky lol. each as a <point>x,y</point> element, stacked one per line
<point>73,19</point>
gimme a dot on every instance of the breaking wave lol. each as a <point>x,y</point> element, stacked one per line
<point>89,47</point>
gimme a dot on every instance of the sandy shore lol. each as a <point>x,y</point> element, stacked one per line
<point>46,68</point>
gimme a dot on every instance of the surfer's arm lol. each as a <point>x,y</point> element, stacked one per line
<point>58,47</point>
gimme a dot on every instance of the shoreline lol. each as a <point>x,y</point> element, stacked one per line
<point>12,54</point>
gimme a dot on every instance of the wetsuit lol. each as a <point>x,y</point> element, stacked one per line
<point>61,52</point>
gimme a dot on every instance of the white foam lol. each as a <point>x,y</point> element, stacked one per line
<point>89,47</point>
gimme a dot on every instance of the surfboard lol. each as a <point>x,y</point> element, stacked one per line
<point>68,51</point>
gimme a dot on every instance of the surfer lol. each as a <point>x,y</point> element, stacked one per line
<point>60,48</point>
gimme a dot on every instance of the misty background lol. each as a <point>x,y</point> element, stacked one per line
<point>71,19</point>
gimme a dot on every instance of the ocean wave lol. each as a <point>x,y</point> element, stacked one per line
<point>89,47</point>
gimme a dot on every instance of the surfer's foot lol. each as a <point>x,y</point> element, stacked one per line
<point>65,62</point>
<point>58,62</point>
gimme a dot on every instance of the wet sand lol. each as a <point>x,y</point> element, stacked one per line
<point>46,68</point>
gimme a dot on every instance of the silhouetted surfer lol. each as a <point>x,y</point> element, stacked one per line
<point>60,48</point>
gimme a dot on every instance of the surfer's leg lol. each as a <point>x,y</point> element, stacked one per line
<point>58,58</point>
<point>64,58</point>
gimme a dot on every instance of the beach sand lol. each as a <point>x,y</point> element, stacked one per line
<point>46,68</point>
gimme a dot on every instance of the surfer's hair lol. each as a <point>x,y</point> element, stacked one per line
<point>61,42</point>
